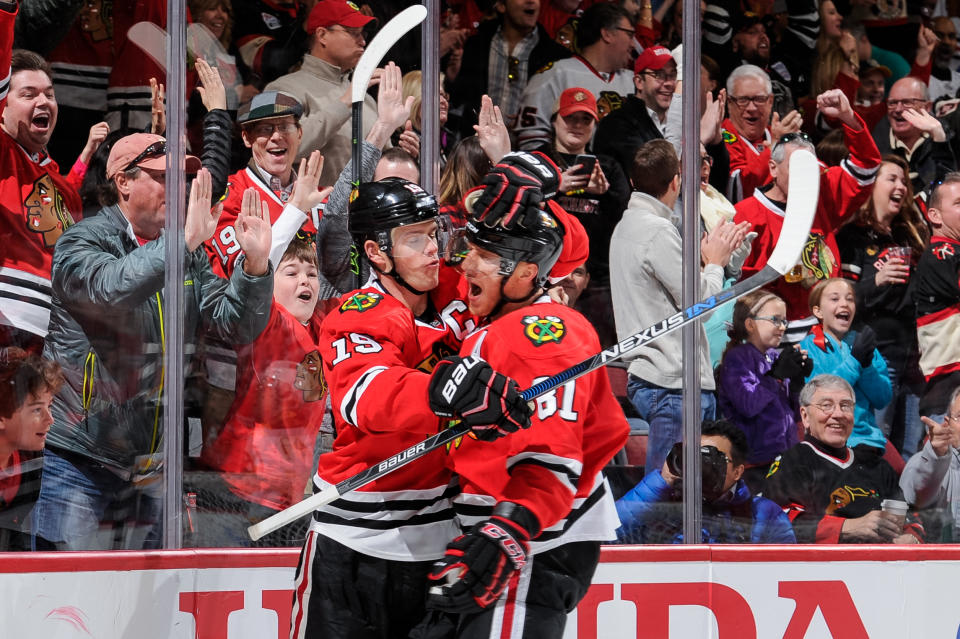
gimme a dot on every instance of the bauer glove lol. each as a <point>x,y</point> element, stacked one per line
<point>514,189</point>
<point>467,388</point>
<point>478,565</point>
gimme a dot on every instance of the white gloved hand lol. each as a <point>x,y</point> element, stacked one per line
<point>739,255</point>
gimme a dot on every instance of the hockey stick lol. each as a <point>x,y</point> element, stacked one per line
<point>801,207</point>
<point>388,36</point>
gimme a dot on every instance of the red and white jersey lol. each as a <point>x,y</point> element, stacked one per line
<point>843,189</point>
<point>82,61</point>
<point>554,467</point>
<point>265,448</point>
<point>546,85</point>
<point>37,205</point>
<point>937,293</point>
<point>377,359</point>
<point>749,162</point>
<point>223,247</point>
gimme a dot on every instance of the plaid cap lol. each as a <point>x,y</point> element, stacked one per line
<point>327,13</point>
<point>269,104</point>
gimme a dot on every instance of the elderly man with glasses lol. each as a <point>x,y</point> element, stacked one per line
<point>842,190</point>
<point>749,133</point>
<point>911,130</point>
<point>833,493</point>
<point>931,479</point>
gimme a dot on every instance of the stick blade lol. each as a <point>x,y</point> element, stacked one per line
<point>152,40</point>
<point>804,193</point>
<point>380,45</point>
<point>293,513</point>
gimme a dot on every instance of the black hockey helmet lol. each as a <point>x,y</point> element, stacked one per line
<point>385,205</point>
<point>538,244</point>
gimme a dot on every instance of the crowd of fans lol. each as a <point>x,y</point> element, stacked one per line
<point>818,392</point>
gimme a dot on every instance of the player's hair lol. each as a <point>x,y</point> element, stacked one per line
<point>739,447</point>
<point>909,222</point>
<point>465,169</point>
<point>655,164</point>
<point>198,6</point>
<point>748,71</point>
<point>24,375</point>
<point>816,293</point>
<point>23,60</point>
<point>744,308</point>
<point>950,178</point>
<point>823,380</point>
<point>399,156</point>
<point>595,19</point>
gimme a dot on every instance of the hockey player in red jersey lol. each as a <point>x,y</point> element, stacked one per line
<point>36,203</point>
<point>534,505</point>
<point>363,569</point>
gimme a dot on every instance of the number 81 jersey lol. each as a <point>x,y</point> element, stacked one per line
<point>377,359</point>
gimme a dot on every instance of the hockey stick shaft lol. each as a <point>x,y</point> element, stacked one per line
<point>795,230</point>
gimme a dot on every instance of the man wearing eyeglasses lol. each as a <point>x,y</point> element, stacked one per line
<point>931,478</point>
<point>832,493</point>
<point>842,190</point>
<point>104,451</point>
<point>643,116</point>
<point>322,84</point>
<point>911,130</point>
<point>749,132</point>
<point>605,36</point>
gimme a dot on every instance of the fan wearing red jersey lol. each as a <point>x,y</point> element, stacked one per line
<point>363,570</point>
<point>534,505</point>
<point>37,204</point>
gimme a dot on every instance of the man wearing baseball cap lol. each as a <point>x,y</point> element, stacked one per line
<point>104,450</point>
<point>643,116</point>
<point>322,84</point>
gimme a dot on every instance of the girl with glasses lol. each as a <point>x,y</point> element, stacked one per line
<point>757,387</point>
<point>837,349</point>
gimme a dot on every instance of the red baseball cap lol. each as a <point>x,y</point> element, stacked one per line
<point>652,58</point>
<point>145,150</point>
<point>327,13</point>
<point>576,99</point>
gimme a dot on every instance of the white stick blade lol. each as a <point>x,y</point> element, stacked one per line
<point>293,513</point>
<point>804,193</point>
<point>152,40</point>
<point>381,44</point>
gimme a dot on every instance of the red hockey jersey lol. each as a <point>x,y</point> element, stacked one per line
<point>554,467</point>
<point>36,206</point>
<point>223,247</point>
<point>749,162</point>
<point>843,189</point>
<point>265,449</point>
<point>376,359</point>
<point>81,63</point>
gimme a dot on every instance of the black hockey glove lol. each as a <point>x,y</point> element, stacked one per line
<point>469,389</point>
<point>863,346</point>
<point>478,565</point>
<point>514,189</point>
<point>791,365</point>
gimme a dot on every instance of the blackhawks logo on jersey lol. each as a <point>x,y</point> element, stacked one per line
<point>47,213</point>
<point>455,442</point>
<point>845,495</point>
<point>361,302</point>
<point>543,330</point>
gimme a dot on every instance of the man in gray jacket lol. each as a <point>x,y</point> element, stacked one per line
<point>931,478</point>
<point>103,454</point>
<point>646,251</point>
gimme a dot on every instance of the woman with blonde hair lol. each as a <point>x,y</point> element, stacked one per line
<point>411,85</point>
<point>464,170</point>
<point>879,251</point>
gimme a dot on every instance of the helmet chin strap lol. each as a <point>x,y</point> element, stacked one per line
<point>505,299</point>
<point>396,276</point>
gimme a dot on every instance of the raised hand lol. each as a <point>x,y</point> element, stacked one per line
<point>925,122</point>
<point>712,119</point>
<point>491,131</point>
<point>409,141</point>
<point>941,435</point>
<point>95,138</point>
<point>392,109</point>
<point>253,232</point>
<point>201,220</point>
<point>211,90</point>
<point>834,104</point>
<point>790,123</point>
<point>305,195</point>
<point>158,114</point>
<point>717,246</point>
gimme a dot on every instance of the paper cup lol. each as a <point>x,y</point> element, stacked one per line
<point>895,507</point>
